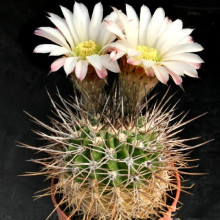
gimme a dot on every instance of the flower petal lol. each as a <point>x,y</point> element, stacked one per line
<point>187,39</point>
<point>107,38</point>
<point>122,21</point>
<point>114,28</point>
<point>95,22</point>
<point>122,45</point>
<point>113,16</point>
<point>103,73</point>
<point>193,73</point>
<point>180,68</point>
<point>183,48</point>
<point>148,63</point>
<point>161,73</point>
<point>70,64</point>
<point>132,52</point>
<point>149,72</point>
<point>116,54</point>
<point>68,15</point>
<point>195,65</point>
<point>59,51</point>
<point>63,27</point>
<point>108,64</point>
<point>53,35</point>
<point>176,78</point>
<point>86,20</point>
<point>95,61</point>
<point>171,30</point>
<point>133,61</point>
<point>173,40</point>
<point>81,21</point>
<point>166,24</point>
<point>45,48</point>
<point>184,57</point>
<point>145,16</point>
<point>81,69</point>
<point>119,49</point>
<point>133,24</point>
<point>154,26</point>
<point>101,34</point>
<point>57,64</point>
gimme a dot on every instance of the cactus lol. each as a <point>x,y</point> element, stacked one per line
<point>118,158</point>
<point>112,155</point>
<point>113,168</point>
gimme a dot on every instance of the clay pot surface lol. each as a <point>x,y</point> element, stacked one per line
<point>60,213</point>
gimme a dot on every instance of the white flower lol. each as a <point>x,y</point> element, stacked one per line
<point>79,40</point>
<point>160,46</point>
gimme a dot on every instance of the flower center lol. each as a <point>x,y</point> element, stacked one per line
<point>148,53</point>
<point>86,48</point>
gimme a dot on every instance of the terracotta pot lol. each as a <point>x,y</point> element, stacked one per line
<point>60,213</point>
<point>167,216</point>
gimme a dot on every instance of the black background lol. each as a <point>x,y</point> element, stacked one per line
<point>23,79</point>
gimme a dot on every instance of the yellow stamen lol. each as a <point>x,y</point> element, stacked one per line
<point>86,48</point>
<point>148,53</point>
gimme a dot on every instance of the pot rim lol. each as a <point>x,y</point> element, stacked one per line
<point>56,205</point>
<point>172,208</point>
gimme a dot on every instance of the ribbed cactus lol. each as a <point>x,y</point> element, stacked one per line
<point>113,167</point>
<point>124,159</point>
<point>110,160</point>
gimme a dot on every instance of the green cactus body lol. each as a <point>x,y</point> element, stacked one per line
<point>111,165</point>
<point>122,159</point>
